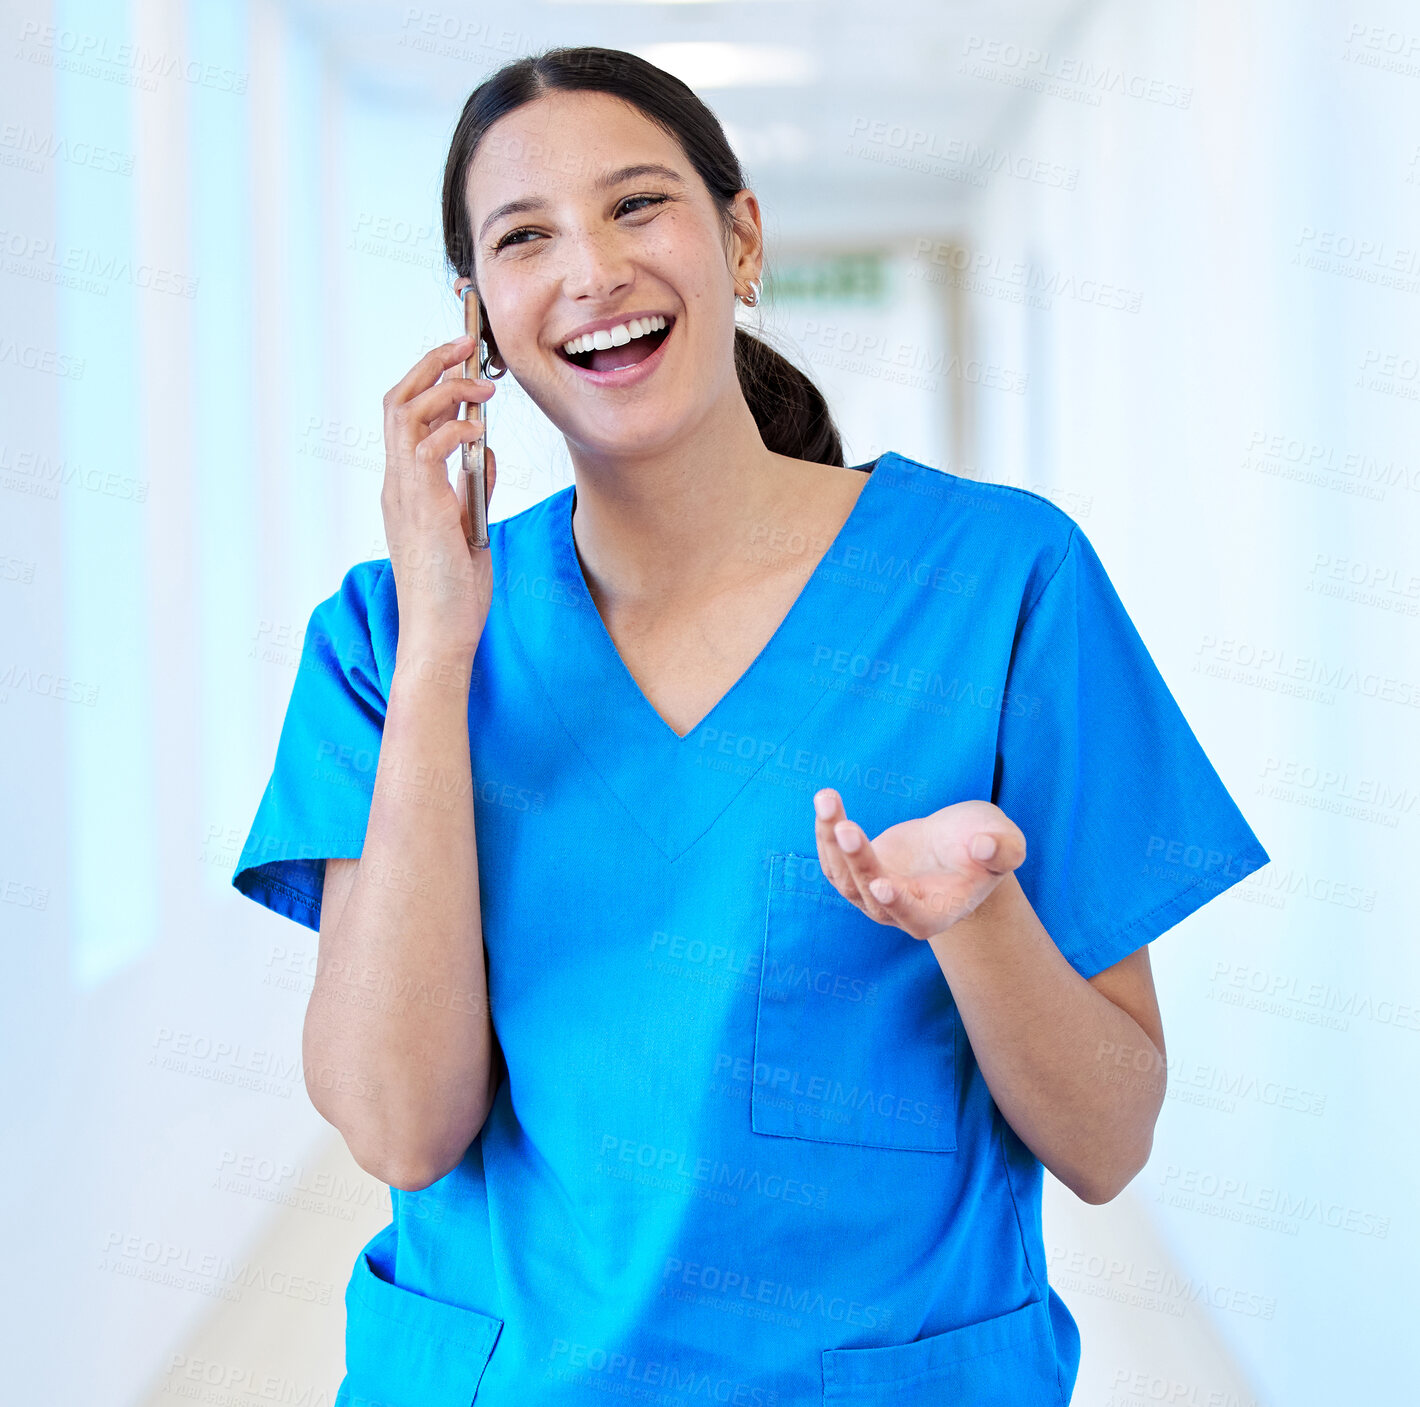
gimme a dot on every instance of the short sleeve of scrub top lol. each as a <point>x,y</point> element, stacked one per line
<point>317,801</point>
<point>742,1151</point>
<point>1129,828</point>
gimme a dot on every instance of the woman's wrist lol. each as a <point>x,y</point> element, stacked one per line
<point>432,661</point>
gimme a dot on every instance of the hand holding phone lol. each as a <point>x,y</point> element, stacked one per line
<point>443,583</point>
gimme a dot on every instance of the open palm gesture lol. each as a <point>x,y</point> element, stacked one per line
<point>920,875</point>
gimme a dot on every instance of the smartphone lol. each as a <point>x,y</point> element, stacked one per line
<point>475,468</point>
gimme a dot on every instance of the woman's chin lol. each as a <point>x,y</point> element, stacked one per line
<point>625,435</point>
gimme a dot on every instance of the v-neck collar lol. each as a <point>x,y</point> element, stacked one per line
<point>570,566</point>
<point>658,776</point>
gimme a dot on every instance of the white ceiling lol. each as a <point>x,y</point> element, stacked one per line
<point>808,69</point>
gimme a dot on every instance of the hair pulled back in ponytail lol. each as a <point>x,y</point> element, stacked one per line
<point>789,410</point>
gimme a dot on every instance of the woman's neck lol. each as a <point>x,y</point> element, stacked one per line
<point>680,524</point>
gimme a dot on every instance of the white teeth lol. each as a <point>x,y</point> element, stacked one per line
<point>617,336</point>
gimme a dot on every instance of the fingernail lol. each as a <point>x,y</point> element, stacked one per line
<point>983,846</point>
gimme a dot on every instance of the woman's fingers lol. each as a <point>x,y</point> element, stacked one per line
<point>436,407</point>
<point>443,588</point>
<point>828,810</point>
<point>445,400</point>
<point>439,444</point>
<point>426,400</point>
<point>426,371</point>
<point>919,908</point>
<point>446,409</point>
<point>864,869</point>
<point>846,855</point>
<point>966,870</point>
<point>999,852</point>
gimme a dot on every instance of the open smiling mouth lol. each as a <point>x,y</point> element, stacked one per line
<point>600,360</point>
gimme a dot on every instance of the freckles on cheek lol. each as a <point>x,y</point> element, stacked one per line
<point>682,249</point>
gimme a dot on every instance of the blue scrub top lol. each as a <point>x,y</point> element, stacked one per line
<point>742,1151</point>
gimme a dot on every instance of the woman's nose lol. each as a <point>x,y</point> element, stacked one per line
<point>593,265</point>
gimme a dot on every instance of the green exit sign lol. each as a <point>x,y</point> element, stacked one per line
<point>839,278</point>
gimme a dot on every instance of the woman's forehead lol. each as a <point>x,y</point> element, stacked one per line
<point>561,142</point>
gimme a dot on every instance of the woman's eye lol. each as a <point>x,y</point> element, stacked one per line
<point>512,237</point>
<point>652,199</point>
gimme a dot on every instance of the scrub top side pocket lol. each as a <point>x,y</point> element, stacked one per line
<point>856,1032</point>
<point>1008,1361</point>
<point>403,1349</point>
<point>317,803</point>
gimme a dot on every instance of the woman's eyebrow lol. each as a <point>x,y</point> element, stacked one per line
<point>603,182</point>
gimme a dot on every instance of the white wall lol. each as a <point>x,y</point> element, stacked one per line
<point>1245,461</point>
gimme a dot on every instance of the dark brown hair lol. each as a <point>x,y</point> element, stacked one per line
<point>790,411</point>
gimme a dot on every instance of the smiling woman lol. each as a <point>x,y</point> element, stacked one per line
<point>531,209</point>
<point>678,1078</point>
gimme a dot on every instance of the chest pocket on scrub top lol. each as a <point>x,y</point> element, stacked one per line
<point>855,1040</point>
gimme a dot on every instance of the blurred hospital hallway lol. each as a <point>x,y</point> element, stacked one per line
<point>1156,263</point>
